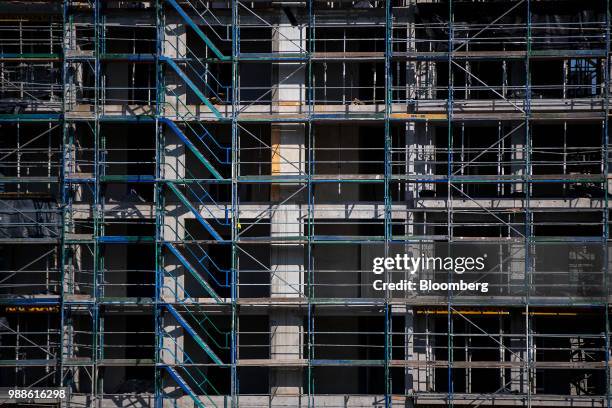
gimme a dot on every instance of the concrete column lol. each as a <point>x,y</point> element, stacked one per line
<point>74,74</point>
<point>173,341</point>
<point>517,168</point>
<point>174,164</point>
<point>70,282</point>
<point>74,85</point>
<point>416,345</point>
<point>71,160</point>
<point>286,344</point>
<point>420,157</point>
<point>418,145</point>
<point>420,75</point>
<point>290,89</point>
<point>519,378</point>
<point>68,348</point>
<point>175,46</point>
<point>174,278</point>
<point>516,263</point>
<point>287,278</point>
<point>73,267</point>
<point>287,260</point>
<point>412,79</point>
<point>70,351</point>
<point>173,168</point>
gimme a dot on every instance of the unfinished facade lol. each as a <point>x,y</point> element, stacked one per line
<point>192,194</point>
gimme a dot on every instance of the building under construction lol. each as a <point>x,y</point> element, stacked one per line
<point>193,193</point>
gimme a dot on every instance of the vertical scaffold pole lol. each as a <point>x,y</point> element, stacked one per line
<point>64,201</point>
<point>98,320</point>
<point>159,216</point>
<point>235,203</point>
<point>449,218</point>
<point>527,191</point>
<point>606,220</point>
<point>387,189</point>
<point>310,227</point>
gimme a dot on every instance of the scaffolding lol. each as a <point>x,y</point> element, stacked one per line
<point>192,194</point>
